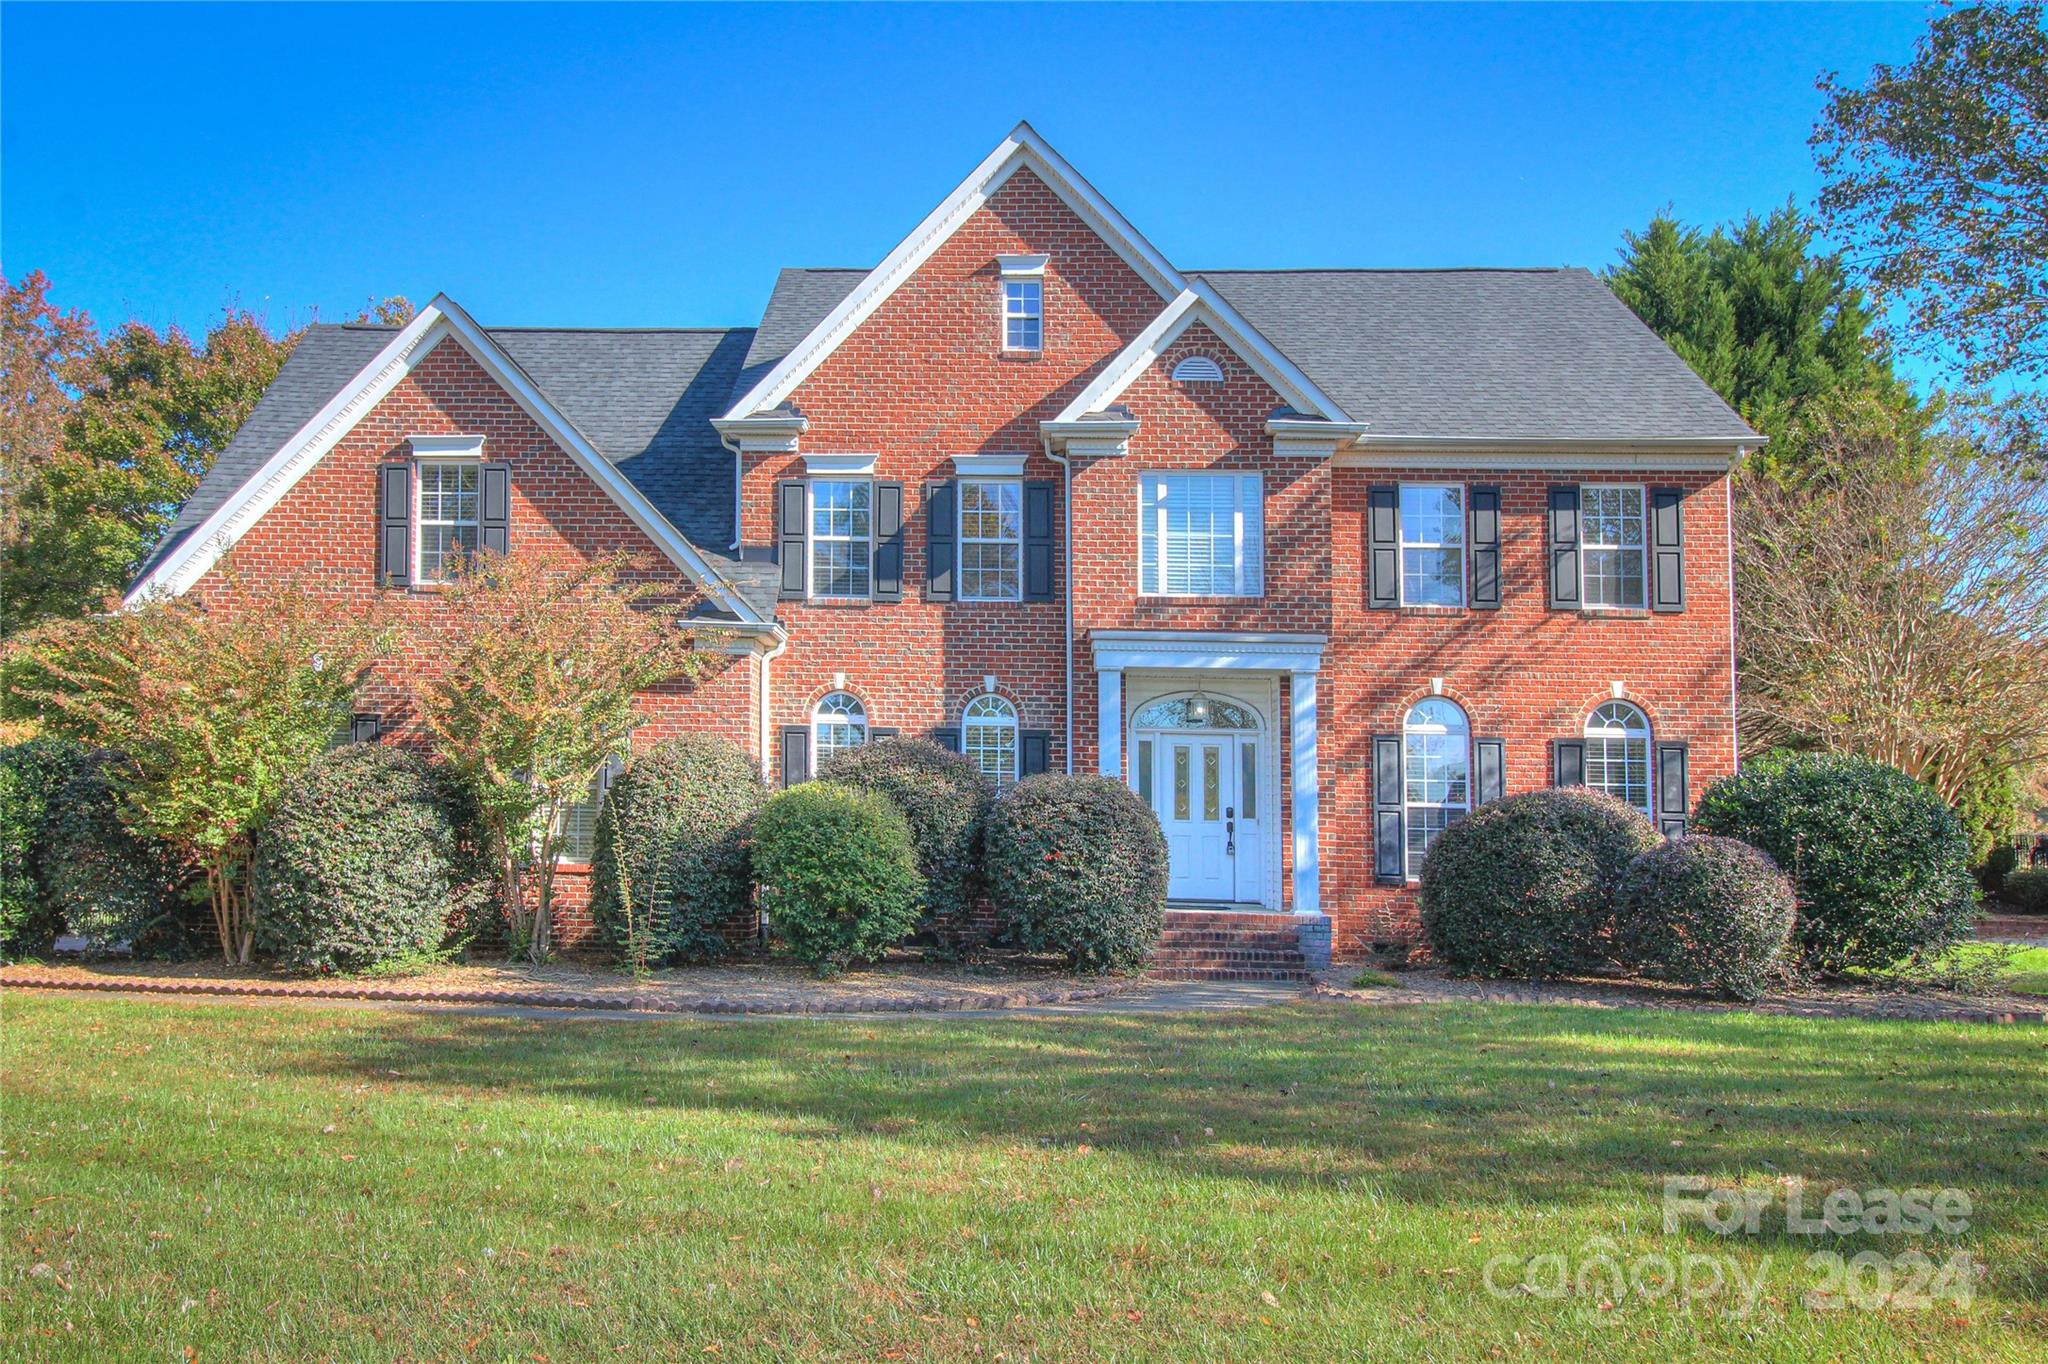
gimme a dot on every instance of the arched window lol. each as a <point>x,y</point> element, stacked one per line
<point>1198,369</point>
<point>1618,753</point>
<point>988,734</point>
<point>1437,772</point>
<point>1195,712</point>
<point>838,722</point>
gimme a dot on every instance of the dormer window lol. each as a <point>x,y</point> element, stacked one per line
<point>1023,303</point>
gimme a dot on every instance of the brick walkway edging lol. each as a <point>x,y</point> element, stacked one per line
<point>1535,995</point>
<point>562,999</point>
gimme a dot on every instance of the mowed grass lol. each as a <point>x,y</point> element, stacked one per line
<point>1312,1182</point>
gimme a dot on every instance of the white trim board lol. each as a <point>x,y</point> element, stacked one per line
<point>438,321</point>
<point>1230,650</point>
<point>1022,148</point>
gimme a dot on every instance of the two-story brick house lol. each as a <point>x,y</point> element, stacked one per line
<point>1315,560</point>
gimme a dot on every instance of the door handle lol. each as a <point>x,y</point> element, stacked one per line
<point>1230,831</point>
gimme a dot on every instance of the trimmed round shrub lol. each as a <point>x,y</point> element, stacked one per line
<point>30,775</point>
<point>2027,891</point>
<point>672,845</point>
<point>2001,862</point>
<point>1525,886</point>
<point>838,873</point>
<point>1705,912</point>
<point>1077,865</point>
<point>945,798</point>
<point>1880,863</point>
<point>110,887</point>
<point>359,863</point>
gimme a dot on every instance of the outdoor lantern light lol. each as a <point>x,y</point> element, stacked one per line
<point>1198,708</point>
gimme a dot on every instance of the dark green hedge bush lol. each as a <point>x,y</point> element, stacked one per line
<point>31,774</point>
<point>1525,886</point>
<point>838,873</point>
<point>1879,861</point>
<point>1077,865</point>
<point>2001,862</point>
<point>2027,891</point>
<point>361,862</point>
<point>1706,912</point>
<point>945,798</point>
<point>108,886</point>
<point>672,841</point>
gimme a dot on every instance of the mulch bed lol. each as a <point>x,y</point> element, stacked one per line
<point>1833,1001</point>
<point>746,988</point>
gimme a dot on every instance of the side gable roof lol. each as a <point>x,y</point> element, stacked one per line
<point>801,300</point>
<point>1022,148</point>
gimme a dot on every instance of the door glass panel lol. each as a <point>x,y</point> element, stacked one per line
<point>1145,770</point>
<point>1212,783</point>
<point>1248,781</point>
<point>1180,781</point>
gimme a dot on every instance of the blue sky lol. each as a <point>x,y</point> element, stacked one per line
<point>648,166</point>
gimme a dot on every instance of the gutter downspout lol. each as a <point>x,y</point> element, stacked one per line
<point>739,472</point>
<point>1734,672</point>
<point>764,722</point>
<point>1067,518</point>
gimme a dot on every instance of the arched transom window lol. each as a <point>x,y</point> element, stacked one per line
<point>838,722</point>
<point>1196,712</point>
<point>1618,753</point>
<point>988,734</point>
<point>1436,766</point>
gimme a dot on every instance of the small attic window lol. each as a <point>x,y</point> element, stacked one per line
<point>1198,369</point>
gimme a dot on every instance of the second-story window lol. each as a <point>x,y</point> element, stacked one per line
<point>1611,545</point>
<point>1201,535</point>
<point>991,540</point>
<point>842,537</point>
<point>448,517</point>
<point>1432,545</point>
<point>1024,314</point>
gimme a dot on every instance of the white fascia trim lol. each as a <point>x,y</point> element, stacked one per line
<point>1231,650</point>
<point>1023,147</point>
<point>839,464</point>
<point>989,466</point>
<point>764,433</point>
<point>1199,303</point>
<point>1016,267</point>
<point>1676,456</point>
<point>446,447</point>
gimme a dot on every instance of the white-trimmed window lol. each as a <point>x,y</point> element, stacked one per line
<point>1618,753</point>
<point>991,540</point>
<point>578,823</point>
<point>448,516</point>
<point>988,735</point>
<point>1201,535</point>
<point>1432,544</point>
<point>1023,314</point>
<point>1436,744</point>
<point>1611,558</point>
<point>838,722</point>
<point>842,537</point>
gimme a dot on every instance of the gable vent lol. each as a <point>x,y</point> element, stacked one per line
<point>1198,369</point>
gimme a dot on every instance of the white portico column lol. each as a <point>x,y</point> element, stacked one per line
<point>1307,824</point>
<point>1109,722</point>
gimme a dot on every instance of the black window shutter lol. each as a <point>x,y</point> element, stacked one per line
<point>1568,762</point>
<point>1562,534</point>
<point>1672,802</point>
<point>1034,751</point>
<point>494,508</point>
<point>363,729</point>
<point>1485,537</point>
<point>948,739</point>
<point>882,732</point>
<point>1383,548</point>
<point>792,510</point>
<point>1490,780</point>
<point>1667,549</point>
<point>1389,840</point>
<point>796,754</point>
<point>1038,538</point>
<point>941,540</point>
<point>394,524</point>
<point>888,542</point>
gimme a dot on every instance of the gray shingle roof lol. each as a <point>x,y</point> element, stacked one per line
<point>800,302</point>
<point>1532,354</point>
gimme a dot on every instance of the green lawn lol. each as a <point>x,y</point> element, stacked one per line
<point>2026,970</point>
<point>1300,1183</point>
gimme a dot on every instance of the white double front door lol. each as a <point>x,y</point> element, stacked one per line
<point>1205,788</point>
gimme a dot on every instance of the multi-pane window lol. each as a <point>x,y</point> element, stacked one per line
<point>1618,753</point>
<point>1611,545</point>
<point>1201,535</point>
<point>1432,545</point>
<point>1437,773</point>
<point>448,517</point>
<point>1023,314</point>
<point>988,735</point>
<point>991,540</point>
<point>578,824</point>
<point>842,537</point>
<point>838,722</point>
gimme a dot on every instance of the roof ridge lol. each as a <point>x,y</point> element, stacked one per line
<point>628,331</point>
<point>1393,270</point>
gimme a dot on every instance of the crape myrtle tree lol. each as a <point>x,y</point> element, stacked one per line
<point>529,694</point>
<point>206,706</point>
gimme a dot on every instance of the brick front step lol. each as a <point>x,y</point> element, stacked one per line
<point>1205,945</point>
<point>1227,973</point>
<point>1171,956</point>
